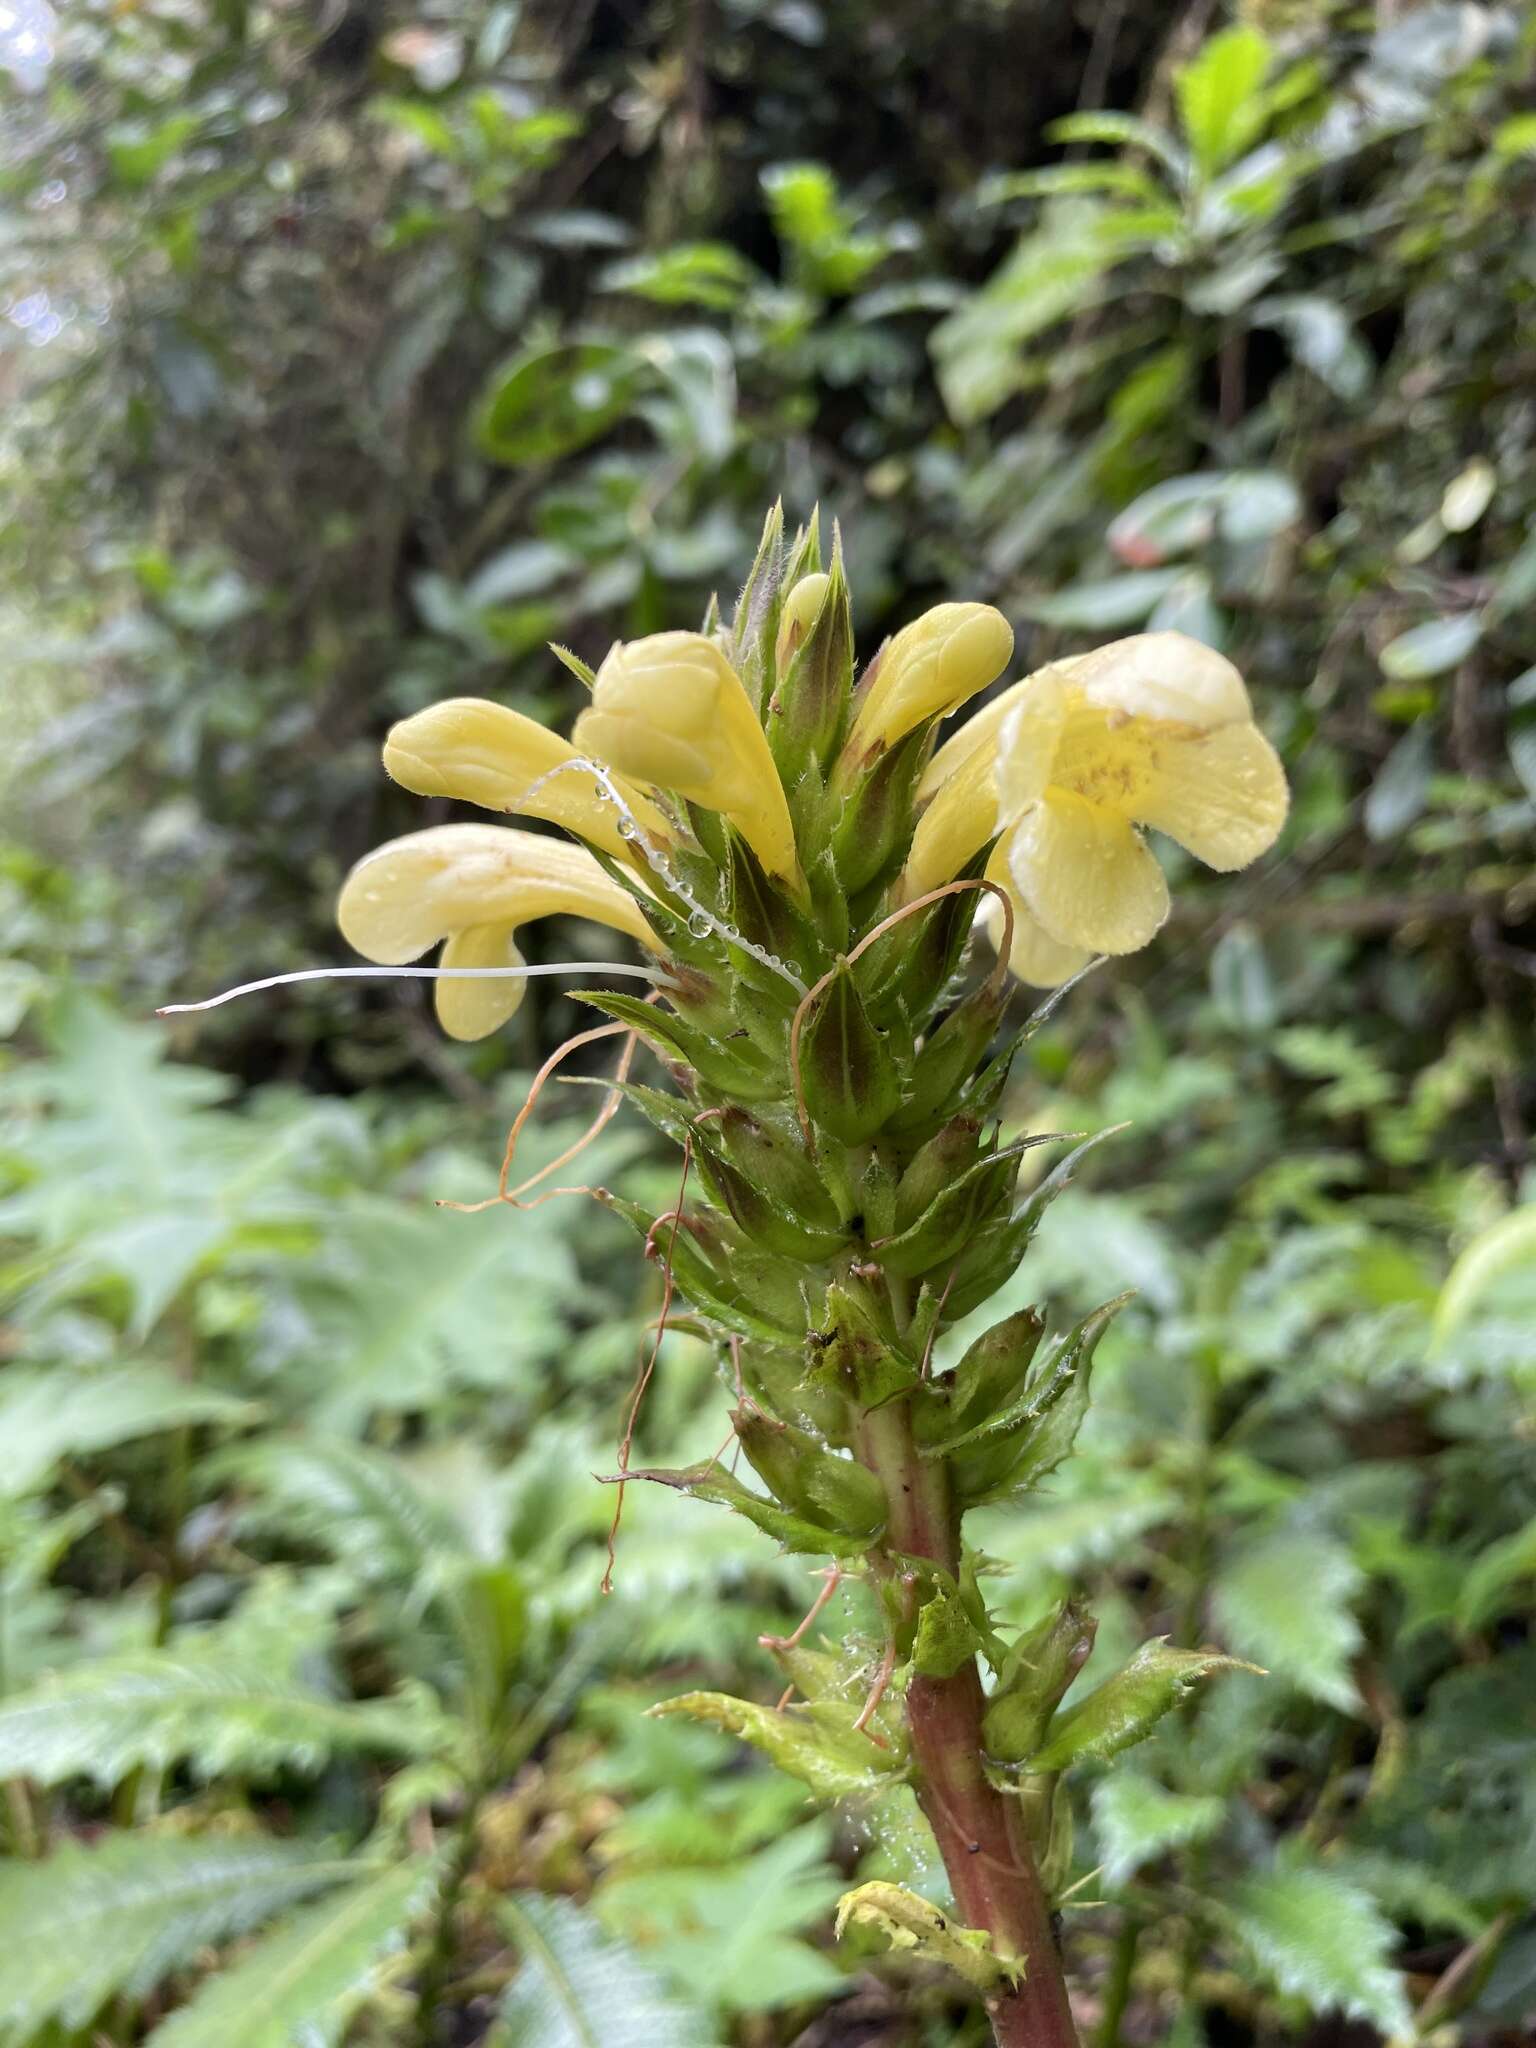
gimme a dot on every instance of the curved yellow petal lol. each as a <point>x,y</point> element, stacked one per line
<point>931,666</point>
<point>1222,796</point>
<point>1029,741</point>
<point>1167,676</point>
<point>1034,957</point>
<point>488,754</point>
<point>469,1010</point>
<point>671,711</point>
<point>979,730</point>
<point>1085,874</point>
<point>961,818</point>
<point>406,895</point>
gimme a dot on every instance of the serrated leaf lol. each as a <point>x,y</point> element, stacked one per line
<point>89,1924</point>
<point>1286,1602</point>
<point>202,1706</point>
<point>358,1503</point>
<point>1127,1707</point>
<point>578,1987</point>
<point>710,1481</point>
<point>46,1416</point>
<point>1055,1393</point>
<point>302,1982</point>
<point>1137,1819</point>
<point>833,1765</point>
<point>1323,1940</point>
<point>905,1922</point>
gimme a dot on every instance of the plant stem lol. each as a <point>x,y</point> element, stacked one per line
<point>980,1831</point>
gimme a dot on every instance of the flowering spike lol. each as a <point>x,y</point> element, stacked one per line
<point>810,872</point>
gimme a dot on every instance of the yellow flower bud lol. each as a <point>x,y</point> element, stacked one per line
<point>487,754</point>
<point>931,667</point>
<point>1155,730</point>
<point>798,616</point>
<point>670,710</point>
<point>472,886</point>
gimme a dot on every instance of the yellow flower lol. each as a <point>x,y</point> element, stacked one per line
<point>472,886</point>
<point>670,710</point>
<point>486,754</point>
<point>1153,731</point>
<point>932,666</point>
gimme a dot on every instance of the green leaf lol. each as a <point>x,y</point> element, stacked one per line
<point>1116,601</point>
<point>1136,1819</point>
<point>1501,1248</point>
<point>578,1987</point>
<point>1126,1708</point>
<point>303,1981</point>
<point>1322,340</point>
<point>1501,1566</point>
<point>687,274</point>
<point>1431,649</point>
<point>90,1924</point>
<point>1401,786</point>
<point>1286,1602</point>
<point>201,1705</point>
<point>1220,96</point>
<point>710,1481</point>
<point>1127,130</point>
<point>907,1923</point>
<point>137,151</point>
<point>834,1765</point>
<point>728,1932</point>
<point>49,1415</point>
<point>1051,274</point>
<point>359,1504</point>
<point>1323,1940</point>
<point>549,402</point>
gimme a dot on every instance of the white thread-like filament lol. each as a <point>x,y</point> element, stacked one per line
<point>250,988</point>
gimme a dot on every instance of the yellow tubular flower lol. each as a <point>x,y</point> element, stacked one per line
<point>1155,730</point>
<point>932,666</point>
<point>486,754</point>
<point>670,710</point>
<point>473,885</point>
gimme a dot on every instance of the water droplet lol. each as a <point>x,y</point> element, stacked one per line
<point>700,925</point>
<point>628,829</point>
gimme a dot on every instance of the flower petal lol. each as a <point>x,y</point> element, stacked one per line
<point>1222,796</point>
<point>1034,957</point>
<point>488,754</point>
<point>1086,875</point>
<point>1028,741</point>
<point>671,711</point>
<point>474,1009</point>
<point>931,666</point>
<point>1164,675</point>
<point>408,894</point>
<point>961,818</point>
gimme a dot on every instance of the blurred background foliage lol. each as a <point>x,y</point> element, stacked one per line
<point>349,354</point>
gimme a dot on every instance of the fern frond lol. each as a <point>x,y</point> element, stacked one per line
<point>303,1980</point>
<point>90,1924</point>
<point>158,1708</point>
<point>576,1987</point>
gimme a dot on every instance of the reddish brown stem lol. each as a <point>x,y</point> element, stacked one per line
<point>980,1831</point>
